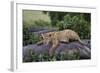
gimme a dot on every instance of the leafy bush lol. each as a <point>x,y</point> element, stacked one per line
<point>33,39</point>
<point>76,23</point>
<point>26,33</point>
<point>62,56</point>
<point>42,23</point>
<point>29,37</point>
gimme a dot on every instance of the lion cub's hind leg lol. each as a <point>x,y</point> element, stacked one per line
<point>55,44</point>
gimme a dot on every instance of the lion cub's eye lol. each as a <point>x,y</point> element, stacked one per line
<point>49,34</point>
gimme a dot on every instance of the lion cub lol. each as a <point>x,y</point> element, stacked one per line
<point>58,36</point>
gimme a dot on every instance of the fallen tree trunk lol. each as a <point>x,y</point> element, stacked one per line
<point>70,48</point>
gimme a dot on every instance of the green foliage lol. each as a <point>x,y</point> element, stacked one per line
<point>26,33</point>
<point>60,25</point>
<point>33,38</point>
<point>62,56</point>
<point>29,37</point>
<point>42,23</point>
<point>55,17</point>
<point>79,22</point>
<point>76,23</point>
<point>67,56</point>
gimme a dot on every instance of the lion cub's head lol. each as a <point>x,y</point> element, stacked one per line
<point>47,37</point>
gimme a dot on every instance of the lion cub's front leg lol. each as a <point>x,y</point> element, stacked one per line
<point>55,44</point>
<point>40,42</point>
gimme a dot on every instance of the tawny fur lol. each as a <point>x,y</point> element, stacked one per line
<point>59,36</point>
